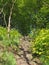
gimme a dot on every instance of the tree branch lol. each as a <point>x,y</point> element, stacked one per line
<point>1,11</point>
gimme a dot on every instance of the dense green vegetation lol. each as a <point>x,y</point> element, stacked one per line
<point>25,18</point>
<point>14,37</point>
<point>40,46</point>
<point>7,58</point>
<point>32,13</point>
<point>10,44</point>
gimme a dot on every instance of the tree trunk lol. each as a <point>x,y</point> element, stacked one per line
<point>9,22</point>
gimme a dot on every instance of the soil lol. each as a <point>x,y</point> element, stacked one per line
<point>24,56</point>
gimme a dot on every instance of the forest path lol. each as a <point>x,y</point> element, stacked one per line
<point>24,57</point>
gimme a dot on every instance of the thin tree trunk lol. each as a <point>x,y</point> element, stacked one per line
<point>5,19</point>
<point>9,22</point>
<point>2,11</point>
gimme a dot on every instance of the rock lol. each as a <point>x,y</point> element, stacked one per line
<point>29,57</point>
<point>36,60</point>
<point>20,52</point>
<point>32,63</point>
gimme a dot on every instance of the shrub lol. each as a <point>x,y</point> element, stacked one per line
<point>40,46</point>
<point>7,58</point>
<point>33,33</point>
<point>3,33</point>
<point>14,36</point>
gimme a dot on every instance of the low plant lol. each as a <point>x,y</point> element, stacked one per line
<point>33,34</point>
<point>40,46</point>
<point>7,58</point>
<point>13,39</point>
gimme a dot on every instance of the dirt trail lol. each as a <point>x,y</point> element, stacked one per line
<point>24,57</point>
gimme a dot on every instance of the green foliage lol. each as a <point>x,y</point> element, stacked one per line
<point>26,14</point>
<point>3,32</point>
<point>7,58</point>
<point>45,59</point>
<point>40,46</point>
<point>14,37</point>
<point>34,33</point>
